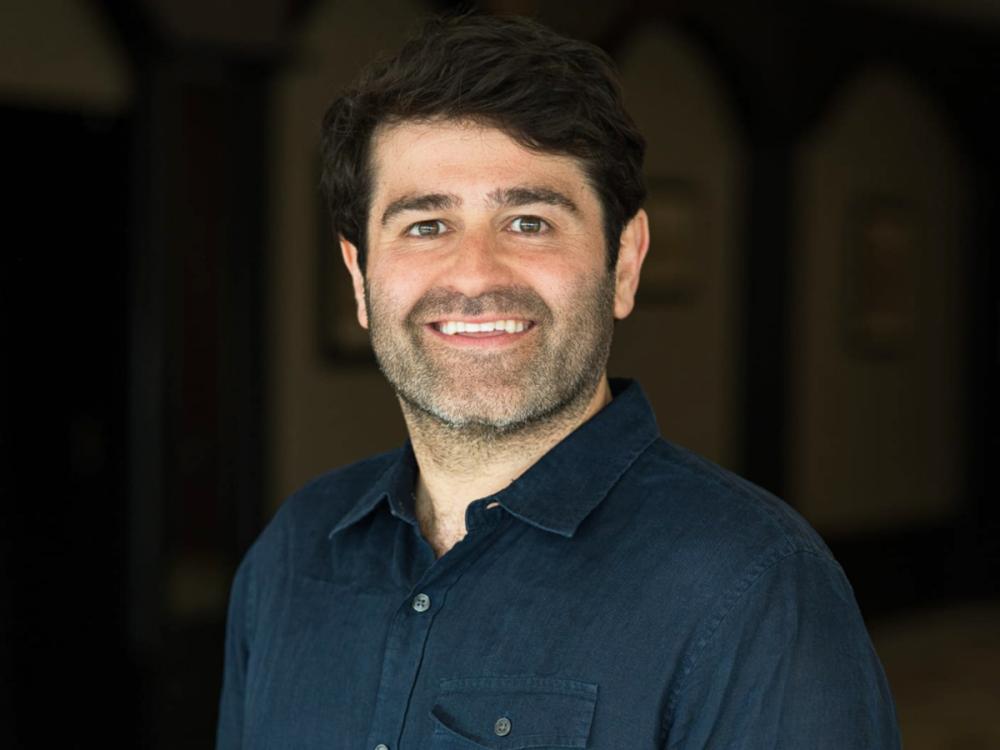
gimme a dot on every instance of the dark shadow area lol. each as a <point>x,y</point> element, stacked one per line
<point>68,668</point>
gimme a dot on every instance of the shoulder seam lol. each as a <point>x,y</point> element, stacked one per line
<point>730,600</point>
<point>722,478</point>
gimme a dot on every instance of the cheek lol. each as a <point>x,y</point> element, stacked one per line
<point>394,291</point>
<point>566,281</point>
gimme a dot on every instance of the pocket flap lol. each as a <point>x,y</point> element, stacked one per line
<point>511,713</point>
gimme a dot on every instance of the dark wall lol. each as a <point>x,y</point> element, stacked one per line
<point>66,664</point>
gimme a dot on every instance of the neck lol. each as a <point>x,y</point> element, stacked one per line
<point>460,465</point>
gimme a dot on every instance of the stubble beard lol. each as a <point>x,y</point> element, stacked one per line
<point>487,397</point>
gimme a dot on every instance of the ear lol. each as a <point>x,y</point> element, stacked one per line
<point>350,255</point>
<point>631,253</point>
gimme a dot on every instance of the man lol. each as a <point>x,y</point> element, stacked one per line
<point>536,567</point>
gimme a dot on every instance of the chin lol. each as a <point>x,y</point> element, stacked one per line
<point>501,414</point>
<point>466,416</point>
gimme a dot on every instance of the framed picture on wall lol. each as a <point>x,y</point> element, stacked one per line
<point>879,289</point>
<point>672,272</point>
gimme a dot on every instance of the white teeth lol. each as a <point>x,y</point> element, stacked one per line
<point>451,327</point>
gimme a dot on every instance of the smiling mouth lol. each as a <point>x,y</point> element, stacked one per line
<point>481,328</point>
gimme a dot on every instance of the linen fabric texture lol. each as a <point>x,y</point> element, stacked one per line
<point>622,593</point>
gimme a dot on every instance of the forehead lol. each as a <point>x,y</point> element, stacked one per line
<point>468,159</point>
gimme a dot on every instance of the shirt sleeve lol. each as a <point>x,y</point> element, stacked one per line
<point>785,662</point>
<point>229,732</point>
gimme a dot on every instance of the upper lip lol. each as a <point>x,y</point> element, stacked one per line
<point>478,319</point>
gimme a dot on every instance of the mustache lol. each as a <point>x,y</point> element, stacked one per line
<point>517,301</point>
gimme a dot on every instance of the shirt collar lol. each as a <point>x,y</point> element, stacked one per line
<point>560,489</point>
<point>395,484</point>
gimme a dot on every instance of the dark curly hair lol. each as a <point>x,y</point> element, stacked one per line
<point>547,92</point>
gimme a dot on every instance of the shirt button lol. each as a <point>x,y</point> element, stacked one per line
<point>380,746</point>
<point>502,727</point>
<point>421,603</point>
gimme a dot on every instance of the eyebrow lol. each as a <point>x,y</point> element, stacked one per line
<point>499,198</point>
<point>528,194</point>
<point>425,202</point>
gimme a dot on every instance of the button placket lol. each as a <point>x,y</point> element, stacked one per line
<point>407,635</point>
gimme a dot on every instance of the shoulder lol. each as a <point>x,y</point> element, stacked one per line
<point>716,506</point>
<point>306,518</point>
<point>701,535</point>
<point>767,610</point>
<point>324,500</point>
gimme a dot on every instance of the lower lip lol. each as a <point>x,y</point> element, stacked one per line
<point>481,340</point>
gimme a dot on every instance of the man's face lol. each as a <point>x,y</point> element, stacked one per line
<point>486,289</point>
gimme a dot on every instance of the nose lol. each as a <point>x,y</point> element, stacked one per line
<point>478,264</point>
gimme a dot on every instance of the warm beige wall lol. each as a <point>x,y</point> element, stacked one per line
<point>685,352</point>
<point>322,415</point>
<point>58,54</point>
<point>877,439</point>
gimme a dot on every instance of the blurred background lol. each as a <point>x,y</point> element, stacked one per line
<point>819,312</point>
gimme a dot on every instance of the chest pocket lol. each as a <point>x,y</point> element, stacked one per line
<point>512,713</point>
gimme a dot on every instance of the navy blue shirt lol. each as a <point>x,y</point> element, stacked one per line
<point>622,593</point>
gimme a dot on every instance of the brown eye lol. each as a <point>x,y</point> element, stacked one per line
<point>426,228</point>
<point>528,225</point>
